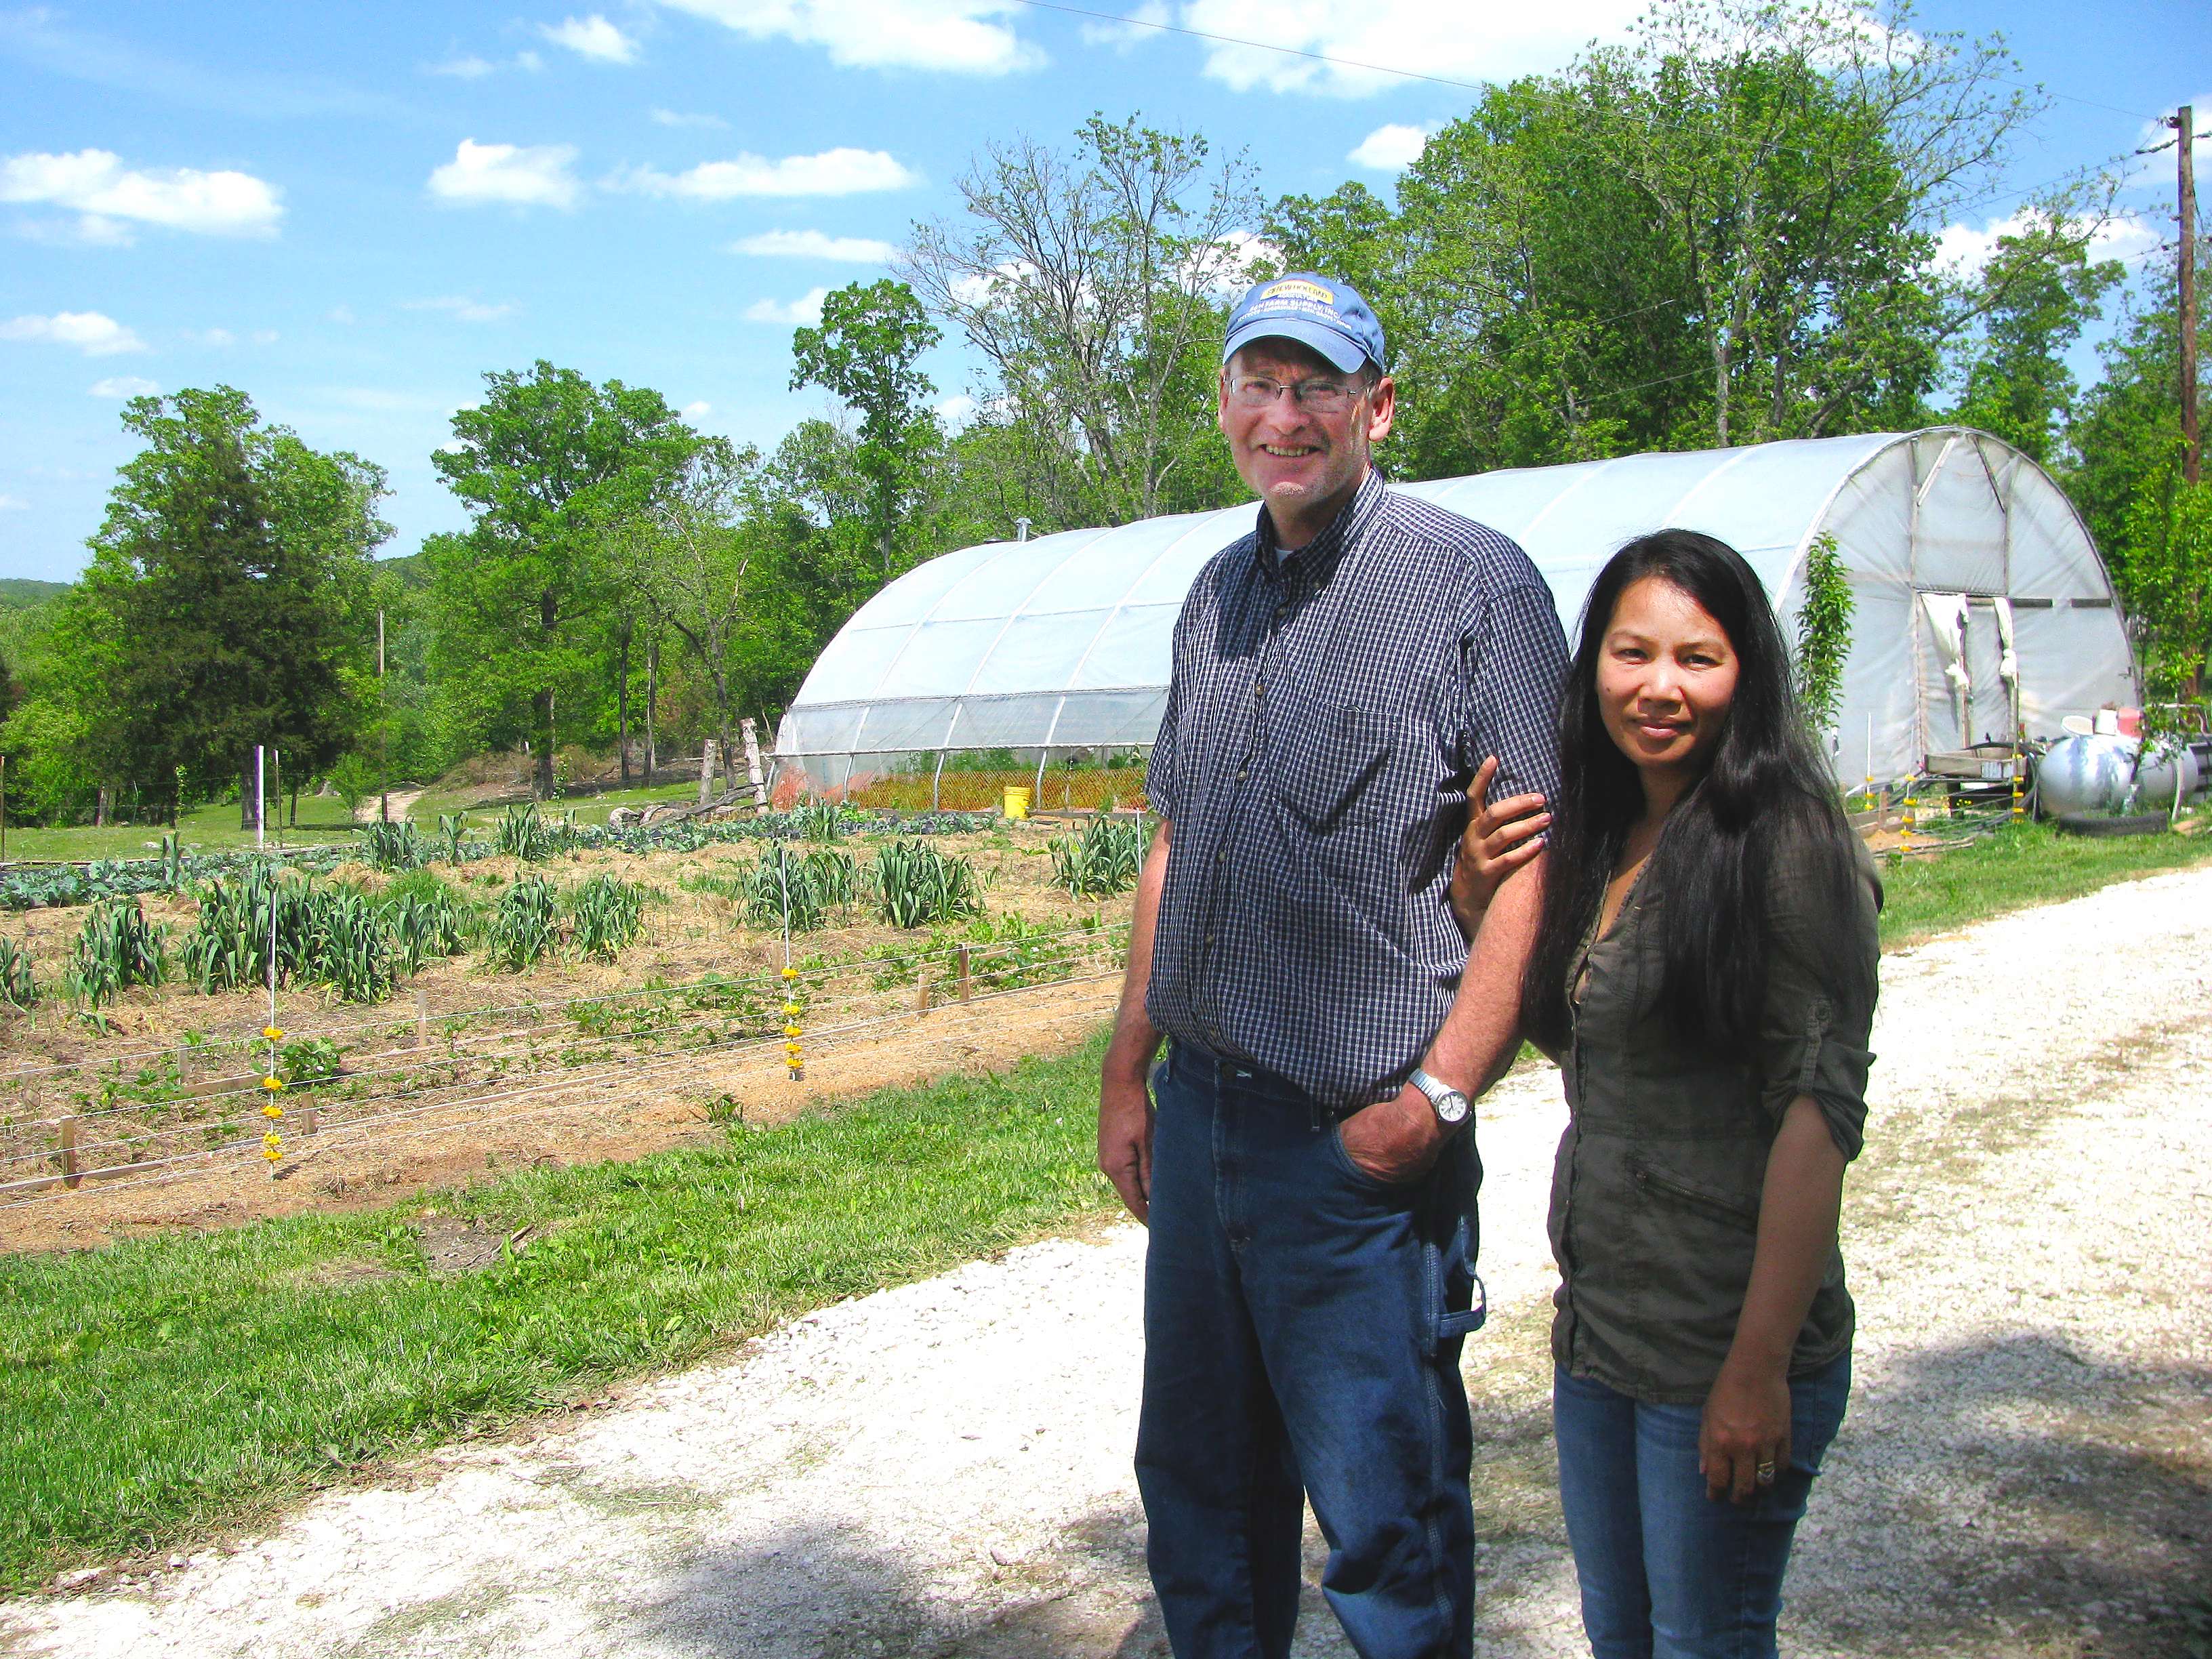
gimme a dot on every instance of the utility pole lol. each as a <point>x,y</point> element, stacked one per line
<point>2192,449</point>
<point>383,736</point>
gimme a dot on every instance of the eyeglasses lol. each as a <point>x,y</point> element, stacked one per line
<point>1320,397</point>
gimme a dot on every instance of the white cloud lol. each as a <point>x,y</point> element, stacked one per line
<point>461,308</point>
<point>1391,149</point>
<point>463,69</point>
<point>212,337</point>
<point>90,333</point>
<point>591,37</point>
<point>13,504</point>
<point>1126,34</point>
<point>840,172</point>
<point>264,336</point>
<point>1227,268</point>
<point>1966,250</point>
<point>806,309</point>
<point>956,409</point>
<point>1451,38</point>
<point>669,117</point>
<point>122,385</point>
<point>814,245</point>
<point>984,291</point>
<point>95,184</point>
<point>528,175</point>
<point>931,34</point>
<point>697,411</point>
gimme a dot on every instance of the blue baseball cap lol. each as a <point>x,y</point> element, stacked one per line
<point>1315,311</point>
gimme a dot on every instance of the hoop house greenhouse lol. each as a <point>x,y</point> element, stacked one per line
<point>1980,603</point>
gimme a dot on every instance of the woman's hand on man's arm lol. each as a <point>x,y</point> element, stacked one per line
<point>1498,840</point>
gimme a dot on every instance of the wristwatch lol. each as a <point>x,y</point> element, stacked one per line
<point>1452,1106</point>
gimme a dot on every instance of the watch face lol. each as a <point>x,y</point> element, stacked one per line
<point>1451,1107</point>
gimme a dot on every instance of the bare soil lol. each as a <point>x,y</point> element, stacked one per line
<point>557,1102</point>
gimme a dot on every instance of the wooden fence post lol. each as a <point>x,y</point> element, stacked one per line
<point>967,991</point>
<point>422,1019</point>
<point>65,1134</point>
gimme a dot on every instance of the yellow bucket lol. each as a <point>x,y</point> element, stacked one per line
<point>1017,801</point>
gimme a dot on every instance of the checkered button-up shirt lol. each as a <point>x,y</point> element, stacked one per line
<point>1328,709</point>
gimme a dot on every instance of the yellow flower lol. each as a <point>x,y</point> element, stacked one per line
<point>791,973</point>
<point>793,1030</point>
<point>272,1110</point>
<point>271,1032</point>
<point>272,1140</point>
<point>270,1083</point>
<point>272,1153</point>
<point>791,1011</point>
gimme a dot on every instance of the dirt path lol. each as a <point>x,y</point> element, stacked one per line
<point>943,1469</point>
<point>403,803</point>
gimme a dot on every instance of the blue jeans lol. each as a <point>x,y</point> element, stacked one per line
<point>1667,1572</point>
<point>1301,1333</point>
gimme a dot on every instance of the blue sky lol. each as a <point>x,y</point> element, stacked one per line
<point>352,212</point>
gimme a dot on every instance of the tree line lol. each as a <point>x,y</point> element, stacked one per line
<point>1722,232</point>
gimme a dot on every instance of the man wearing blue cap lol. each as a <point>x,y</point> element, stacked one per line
<point>1304,1156</point>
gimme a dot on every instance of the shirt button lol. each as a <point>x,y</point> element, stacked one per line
<point>1240,777</point>
<point>1209,938</point>
<point>1221,858</point>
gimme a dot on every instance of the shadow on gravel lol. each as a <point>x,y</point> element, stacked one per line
<point>2013,1498</point>
<point>829,1593</point>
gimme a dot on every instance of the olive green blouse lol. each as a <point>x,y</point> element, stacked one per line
<point>1656,1188</point>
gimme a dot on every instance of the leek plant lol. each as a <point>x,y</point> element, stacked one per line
<point>916,885</point>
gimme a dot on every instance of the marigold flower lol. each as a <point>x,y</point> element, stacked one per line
<point>271,1032</point>
<point>793,1030</point>
<point>272,1153</point>
<point>272,1110</point>
<point>270,1083</point>
<point>272,1140</point>
<point>791,973</point>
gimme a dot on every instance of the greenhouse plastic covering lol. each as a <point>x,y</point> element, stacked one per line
<point>1063,643</point>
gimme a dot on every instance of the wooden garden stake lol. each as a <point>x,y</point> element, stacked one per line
<point>65,1132</point>
<point>422,1019</point>
<point>967,990</point>
<point>921,996</point>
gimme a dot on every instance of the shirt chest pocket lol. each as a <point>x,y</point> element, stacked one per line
<point>1332,766</point>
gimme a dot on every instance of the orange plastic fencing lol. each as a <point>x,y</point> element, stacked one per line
<point>1086,790</point>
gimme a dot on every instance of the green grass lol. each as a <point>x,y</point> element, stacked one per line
<point>153,1390</point>
<point>2014,869</point>
<point>588,809</point>
<point>213,827</point>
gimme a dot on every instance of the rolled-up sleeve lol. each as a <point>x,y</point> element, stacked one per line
<point>1160,792</point>
<point>1817,1021</point>
<point>1517,657</point>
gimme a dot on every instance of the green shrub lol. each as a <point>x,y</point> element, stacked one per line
<point>782,890</point>
<point>116,949</point>
<point>605,917</point>
<point>522,928</point>
<point>394,845</point>
<point>1103,860</point>
<point>519,833</point>
<point>309,1062</point>
<point>916,884</point>
<point>17,986</point>
<point>428,921</point>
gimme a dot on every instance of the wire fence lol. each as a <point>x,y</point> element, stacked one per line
<point>166,1112</point>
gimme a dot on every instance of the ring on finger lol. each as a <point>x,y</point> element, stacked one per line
<point>1764,1473</point>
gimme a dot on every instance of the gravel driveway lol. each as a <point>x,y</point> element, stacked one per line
<point>943,1469</point>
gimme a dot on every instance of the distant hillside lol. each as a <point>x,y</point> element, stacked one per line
<point>20,592</point>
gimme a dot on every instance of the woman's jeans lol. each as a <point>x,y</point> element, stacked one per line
<point>1301,1334</point>
<point>1667,1572</point>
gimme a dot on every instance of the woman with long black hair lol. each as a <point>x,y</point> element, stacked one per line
<point>1704,974</point>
